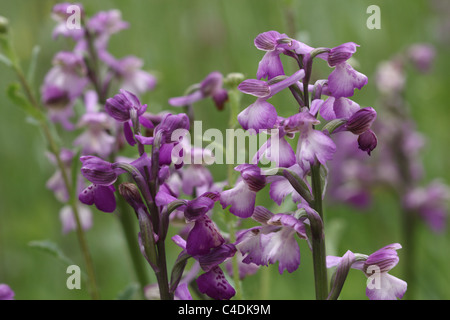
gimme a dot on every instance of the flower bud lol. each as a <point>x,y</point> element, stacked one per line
<point>257,88</point>
<point>341,53</point>
<point>385,259</point>
<point>211,83</point>
<point>98,171</point>
<point>4,25</point>
<point>121,104</point>
<point>361,121</point>
<point>252,176</point>
<point>131,194</point>
<point>367,141</point>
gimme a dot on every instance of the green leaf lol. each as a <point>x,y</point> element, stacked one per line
<point>129,292</point>
<point>5,60</point>
<point>14,94</point>
<point>51,248</point>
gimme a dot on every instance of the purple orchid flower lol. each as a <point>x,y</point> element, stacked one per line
<point>344,80</point>
<point>241,198</point>
<point>101,196</point>
<point>213,282</point>
<point>61,13</point>
<point>261,114</point>
<point>63,84</point>
<point>211,86</point>
<point>6,293</point>
<point>132,77</point>
<point>274,241</point>
<point>382,286</point>
<point>313,145</point>
<point>95,140</point>
<point>431,203</point>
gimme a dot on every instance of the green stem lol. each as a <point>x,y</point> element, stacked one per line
<point>234,97</point>
<point>127,221</point>
<point>318,239</point>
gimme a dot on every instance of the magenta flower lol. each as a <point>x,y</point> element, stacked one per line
<point>344,80</point>
<point>6,293</point>
<point>241,198</point>
<point>99,171</point>
<point>341,53</point>
<point>123,105</point>
<point>277,149</point>
<point>367,141</point>
<point>281,188</point>
<point>63,84</point>
<point>211,86</point>
<point>421,56</point>
<point>431,203</point>
<point>274,44</point>
<point>132,77</point>
<point>95,140</point>
<point>338,108</point>
<point>313,145</point>
<point>261,114</point>
<point>274,241</point>
<point>381,285</point>
<point>101,196</point>
<point>213,282</point>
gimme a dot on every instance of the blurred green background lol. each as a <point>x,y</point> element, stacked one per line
<point>182,41</point>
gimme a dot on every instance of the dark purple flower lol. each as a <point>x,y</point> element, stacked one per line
<point>200,206</point>
<point>101,196</point>
<point>123,104</point>
<point>99,171</point>
<point>203,237</point>
<point>361,121</point>
<point>367,141</point>
<point>214,284</point>
<point>169,124</point>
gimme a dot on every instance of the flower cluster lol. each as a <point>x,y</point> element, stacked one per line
<point>83,77</point>
<point>165,186</point>
<point>398,164</point>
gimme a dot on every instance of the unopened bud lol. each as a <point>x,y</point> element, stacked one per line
<point>4,24</point>
<point>361,121</point>
<point>367,141</point>
<point>131,194</point>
